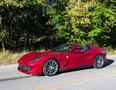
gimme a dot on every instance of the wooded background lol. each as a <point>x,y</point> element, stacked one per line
<point>43,24</point>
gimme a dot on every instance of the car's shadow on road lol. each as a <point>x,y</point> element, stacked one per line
<point>14,78</point>
<point>106,64</point>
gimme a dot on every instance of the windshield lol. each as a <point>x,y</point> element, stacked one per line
<point>62,48</point>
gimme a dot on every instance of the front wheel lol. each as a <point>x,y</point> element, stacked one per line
<point>50,68</point>
<point>98,62</point>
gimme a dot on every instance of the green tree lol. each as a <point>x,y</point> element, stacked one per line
<point>25,24</point>
<point>72,21</point>
<point>103,21</point>
<point>84,21</point>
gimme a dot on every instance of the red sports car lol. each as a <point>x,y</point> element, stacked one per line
<point>63,57</point>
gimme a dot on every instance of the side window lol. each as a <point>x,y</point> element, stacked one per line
<point>88,47</point>
<point>85,47</point>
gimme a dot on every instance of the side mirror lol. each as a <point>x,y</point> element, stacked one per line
<point>82,50</point>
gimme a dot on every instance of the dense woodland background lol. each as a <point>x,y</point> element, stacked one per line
<point>43,24</point>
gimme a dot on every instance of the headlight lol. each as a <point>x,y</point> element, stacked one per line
<point>36,59</point>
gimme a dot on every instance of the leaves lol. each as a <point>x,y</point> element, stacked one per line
<point>85,21</point>
<point>32,23</point>
<point>22,23</point>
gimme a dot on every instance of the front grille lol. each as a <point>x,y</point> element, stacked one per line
<point>25,68</point>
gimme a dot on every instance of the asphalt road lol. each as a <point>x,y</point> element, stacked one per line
<point>81,79</point>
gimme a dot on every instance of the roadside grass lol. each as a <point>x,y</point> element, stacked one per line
<point>111,52</point>
<point>7,57</point>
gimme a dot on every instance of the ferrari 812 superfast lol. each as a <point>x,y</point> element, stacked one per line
<point>63,57</point>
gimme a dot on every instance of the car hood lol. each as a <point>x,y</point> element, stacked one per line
<point>32,55</point>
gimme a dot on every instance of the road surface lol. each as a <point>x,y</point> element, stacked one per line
<point>83,79</point>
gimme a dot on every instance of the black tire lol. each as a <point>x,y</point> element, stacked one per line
<point>98,62</point>
<point>50,68</point>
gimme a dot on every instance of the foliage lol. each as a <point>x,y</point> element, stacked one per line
<point>102,22</point>
<point>35,24</point>
<point>73,20</point>
<point>23,25</point>
<point>85,21</point>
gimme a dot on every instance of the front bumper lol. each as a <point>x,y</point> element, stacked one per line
<point>24,68</point>
<point>30,69</point>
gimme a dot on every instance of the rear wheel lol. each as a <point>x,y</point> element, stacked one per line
<point>98,62</point>
<point>50,67</point>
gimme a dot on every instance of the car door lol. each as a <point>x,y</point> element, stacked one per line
<point>77,57</point>
<point>87,54</point>
<point>80,57</point>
